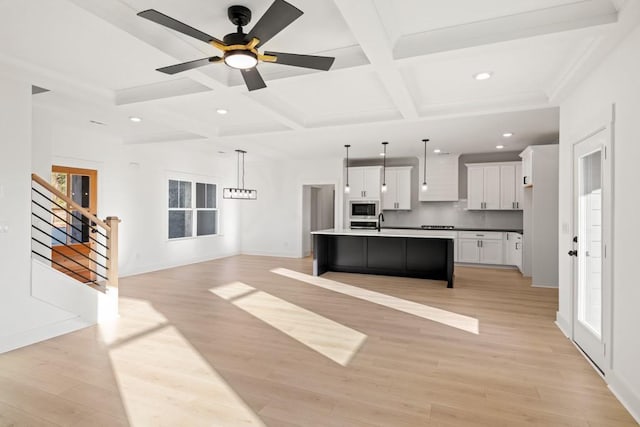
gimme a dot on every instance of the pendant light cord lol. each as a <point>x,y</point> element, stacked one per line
<point>237,168</point>
<point>243,153</point>
<point>424,174</point>
<point>384,164</point>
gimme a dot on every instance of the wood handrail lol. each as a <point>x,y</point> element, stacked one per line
<point>71,203</point>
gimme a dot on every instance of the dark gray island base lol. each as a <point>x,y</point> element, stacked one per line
<point>386,254</point>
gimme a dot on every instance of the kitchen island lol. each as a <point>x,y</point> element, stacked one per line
<point>406,253</point>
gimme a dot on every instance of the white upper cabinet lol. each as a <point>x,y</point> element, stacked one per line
<point>398,194</point>
<point>494,186</point>
<point>527,167</point>
<point>365,182</point>
<point>475,187</point>
<point>483,186</point>
<point>510,186</point>
<point>442,178</point>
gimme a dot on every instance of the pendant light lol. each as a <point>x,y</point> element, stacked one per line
<point>425,187</point>
<point>239,192</point>
<point>384,168</point>
<point>346,187</point>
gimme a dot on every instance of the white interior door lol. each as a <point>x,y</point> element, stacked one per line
<point>589,247</point>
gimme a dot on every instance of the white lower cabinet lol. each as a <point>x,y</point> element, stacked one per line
<point>479,247</point>
<point>513,249</point>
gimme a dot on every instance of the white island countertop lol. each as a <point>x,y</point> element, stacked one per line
<point>423,234</point>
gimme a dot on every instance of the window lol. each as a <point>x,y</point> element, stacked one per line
<point>184,219</point>
<point>206,209</point>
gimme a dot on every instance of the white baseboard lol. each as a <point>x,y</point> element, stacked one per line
<point>545,286</point>
<point>492,266</point>
<point>271,254</point>
<point>41,333</point>
<point>157,267</point>
<point>563,325</point>
<point>629,398</point>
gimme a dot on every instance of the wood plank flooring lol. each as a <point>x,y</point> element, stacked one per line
<point>182,355</point>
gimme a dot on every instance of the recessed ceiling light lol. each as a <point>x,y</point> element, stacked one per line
<point>221,111</point>
<point>485,75</point>
<point>499,147</point>
<point>507,134</point>
<point>382,154</point>
<point>135,119</point>
<point>437,150</point>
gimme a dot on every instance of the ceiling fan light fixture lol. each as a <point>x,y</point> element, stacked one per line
<point>240,59</point>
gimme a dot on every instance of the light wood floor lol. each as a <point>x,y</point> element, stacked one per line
<point>190,351</point>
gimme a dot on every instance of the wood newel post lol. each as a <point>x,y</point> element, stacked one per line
<point>112,251</point>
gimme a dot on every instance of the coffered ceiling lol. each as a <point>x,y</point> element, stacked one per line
<point>403,71</point>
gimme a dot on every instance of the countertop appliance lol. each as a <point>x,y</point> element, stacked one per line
<point>365,225</point>
<point>364,210</point>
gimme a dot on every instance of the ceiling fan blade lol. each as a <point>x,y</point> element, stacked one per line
<point>279,15</point>
<point>169,22</point>
<point>173,69</point>
<point>253,79</point>
<point>307,61</point>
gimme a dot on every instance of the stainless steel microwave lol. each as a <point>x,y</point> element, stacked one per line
<point>359,209</point>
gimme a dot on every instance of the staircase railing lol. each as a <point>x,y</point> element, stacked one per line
<point>89,242</point>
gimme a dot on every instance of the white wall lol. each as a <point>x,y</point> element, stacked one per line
<point>583,111</point>
<point>273,224</point>
<point>20,313</point>
<point>132,184</point>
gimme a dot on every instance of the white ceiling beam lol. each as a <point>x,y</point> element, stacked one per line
<point>364,21</point>
<point>565,17</point>
<point>160,90</point>
<point>628,19</point>
<point>125,18</point>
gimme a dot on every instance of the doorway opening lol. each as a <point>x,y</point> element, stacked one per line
<point>71,240</point>
<point>318,212</point>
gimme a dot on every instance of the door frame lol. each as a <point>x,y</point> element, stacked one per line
<point>93,208</point>
<point>608,186</point>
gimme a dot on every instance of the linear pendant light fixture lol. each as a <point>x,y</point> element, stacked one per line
<point>346,187</point>
<point>240,192</point>
<point>384,168</point>
<point>425,187</point>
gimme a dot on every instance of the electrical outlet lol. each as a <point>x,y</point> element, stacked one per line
<point>4,227</point>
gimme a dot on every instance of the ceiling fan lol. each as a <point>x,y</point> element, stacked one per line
<point>240,50</point>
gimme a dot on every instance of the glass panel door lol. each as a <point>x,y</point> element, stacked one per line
<point>589,167</point>
<point>589,284</point>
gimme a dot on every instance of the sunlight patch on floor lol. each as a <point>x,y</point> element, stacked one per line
<point>329,338</point>
<point>455,320</point>
<point>163,379</point>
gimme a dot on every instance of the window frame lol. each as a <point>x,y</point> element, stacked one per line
<point>193,181</point>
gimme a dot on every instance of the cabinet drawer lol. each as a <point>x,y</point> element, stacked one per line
<point>514,236</point>
<point>484,235</point>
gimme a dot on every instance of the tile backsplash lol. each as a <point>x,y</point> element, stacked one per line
<point>452,213</point>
